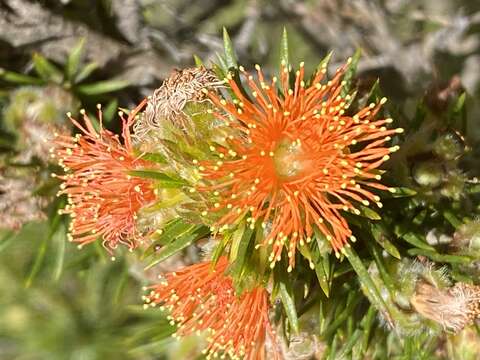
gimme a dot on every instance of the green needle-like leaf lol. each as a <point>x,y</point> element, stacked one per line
<point>102,87</point>
<point>230,57</point>
<point>47,70</point>
<point>85,72</point>
<point>368,286</point>
<point>284,58</point>
<point>162,180</point>
<point>197,232</point>
<point>20,79</point>
<point>288,301</point>
<point>350,73</point>
<point>73,60</point>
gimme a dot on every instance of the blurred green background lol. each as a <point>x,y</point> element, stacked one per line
<point>61,55</point>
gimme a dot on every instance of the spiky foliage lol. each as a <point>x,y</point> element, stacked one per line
<point>411,271</point>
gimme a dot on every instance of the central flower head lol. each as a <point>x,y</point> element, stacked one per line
<point>289,159</point>
<point>288,162</point>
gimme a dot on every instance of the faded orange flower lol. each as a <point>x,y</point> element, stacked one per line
<point>295,159</point>
<point>201,298</point>
<point>103,198</point>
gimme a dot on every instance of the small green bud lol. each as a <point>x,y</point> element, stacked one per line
<point>467,238</point>
<point>428,174</point>
<point>453,189</point>
<point>448,146</point>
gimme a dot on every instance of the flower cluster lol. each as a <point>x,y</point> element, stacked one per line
<point>284,155</point>
<point>295,159</point>
<point>201,297</point>
<point>103,198</point>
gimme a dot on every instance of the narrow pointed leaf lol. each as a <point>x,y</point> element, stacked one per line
<point>73,60</point>
<point>102,87</point>
<point>380,236</point>
<point>284,58</point>
<point>288,301</point>
<point>441,258</point>
<point>368,286</point>
<point>230,57</point>
<point>170,232</point>
<point>39,258</point>
<point>242,252</point>
<point>20,79</point>
<point>368,213</point>
<point>163,180</point>
<point>110,111</point>
<point>324,62</point>
<point>367,324</point>
<point>85,72</point>
<point>198,61</point>
<point>46,69</point>
<point>179,244</point>
<point>59,239</point>
<point>155,157</point>
<point>417,241</point>
<point>350,73</point>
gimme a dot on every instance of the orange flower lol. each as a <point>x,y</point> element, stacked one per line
<point>202,298</point>
<point>103,199</point>
<point>295,160</point>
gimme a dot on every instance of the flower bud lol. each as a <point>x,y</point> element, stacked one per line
<point>453,188</point>
<point>303,346</point>
<point>448,146</point>
<point>34,114</point>
<point>466,239</point>
<point>428,174</point>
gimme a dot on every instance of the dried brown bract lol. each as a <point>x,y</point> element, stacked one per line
<point>453,308</point>
<point>169,100</point>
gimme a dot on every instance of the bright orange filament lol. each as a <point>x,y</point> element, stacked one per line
<point>103,199</point>
<point>289,162</point>
<point>200,298</point>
